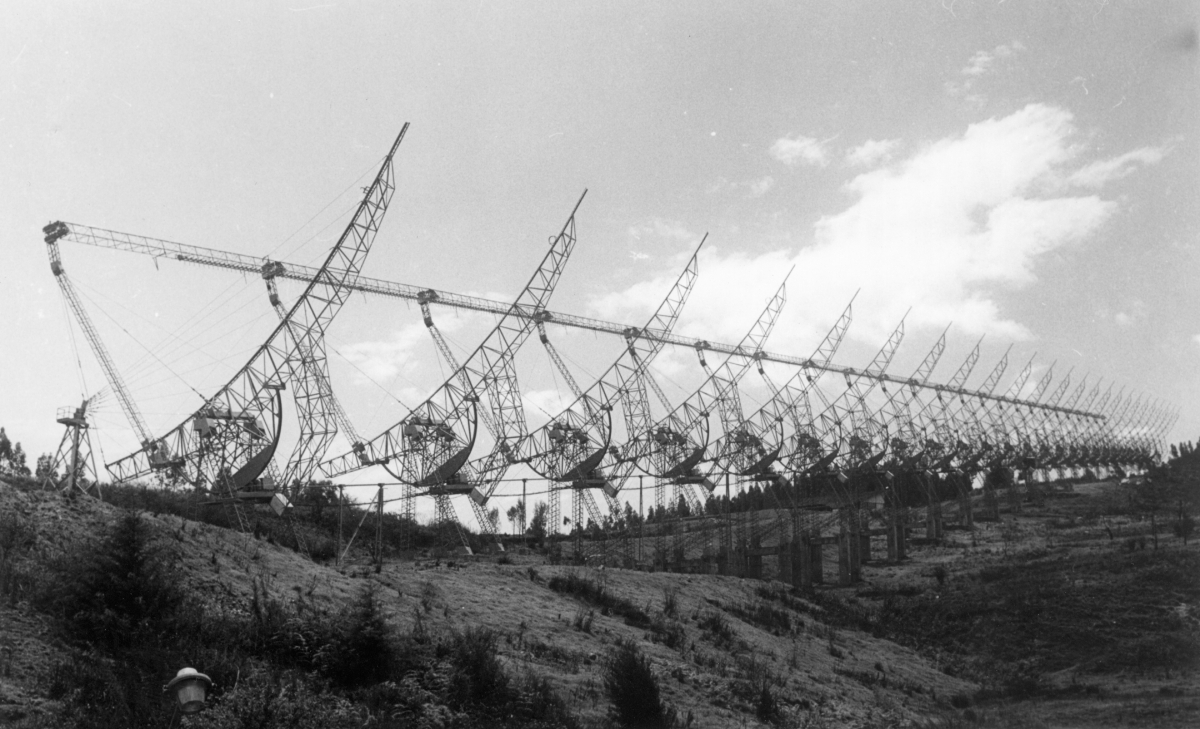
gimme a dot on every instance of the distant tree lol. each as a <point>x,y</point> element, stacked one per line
<point>537,525</point>
<point>5,448</point>
<point>45,467</point>
<point>318,497</point>
<point>631,517</point>
<point>494,518</point>
<point>511,515</point>
<point>12,457</point>
<point>1174,451</point>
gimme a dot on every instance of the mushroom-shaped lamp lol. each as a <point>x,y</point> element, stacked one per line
<point>190,687</point>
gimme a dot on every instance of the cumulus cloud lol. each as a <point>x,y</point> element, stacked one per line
<point>872,152</point>
<point>943,230</point>
<point>799,149</point>
<point>382,359</point>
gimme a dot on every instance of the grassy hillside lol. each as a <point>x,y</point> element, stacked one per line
<point>1080,612</point>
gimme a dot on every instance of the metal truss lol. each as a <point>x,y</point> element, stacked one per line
<point>250,264</point>
<point>781,431</point>
<point>675,445</point>
<point>74,459</point>
<point>431,446</point>
<point>230,440</point>
<point>575,448</point>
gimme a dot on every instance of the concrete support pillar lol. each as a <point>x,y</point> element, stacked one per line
<point>786,562</point>
<point>754,560</point>
<point>844,556</point>
<point>816,559</point>
<point>854,537</point>
<point>991,504</point>
<point>1015,493</point>
<point>933,518</point>
<point>966,512</point>
<point>864,537</point>
<point>897,534</point>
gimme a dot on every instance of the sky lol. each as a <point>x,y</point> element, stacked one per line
<point>1024,172</point>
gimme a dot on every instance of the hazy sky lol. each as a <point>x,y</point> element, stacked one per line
<point>1028,171</point>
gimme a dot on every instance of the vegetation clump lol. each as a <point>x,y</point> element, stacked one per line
<point>633,689</point>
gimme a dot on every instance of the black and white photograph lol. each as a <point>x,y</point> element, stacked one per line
<point>515,363</point>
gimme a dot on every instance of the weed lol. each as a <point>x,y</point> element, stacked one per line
<point>598,596</point>
<point>717,626</point>
<point>670,633</point>
<point>766,616</point>
<point>940,574</point>
<point>670,602</point>
<point>583,620</point>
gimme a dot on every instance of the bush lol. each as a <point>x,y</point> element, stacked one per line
<point>766,706</point>
<point>479,677</point>
<point>633,689</point>
<point>122,595</point>
<point>363,652</point>
<point>17,537</point>
<point>593,594</point>
<point>717,625</point>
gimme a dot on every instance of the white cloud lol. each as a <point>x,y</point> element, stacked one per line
<point>800,150</point>
<point>1103,171</point>
<point>658,228</point>
<point>942,230</point>
<point>979,65</point>
<point>383,359</point>
<point>871,152</point>
<point>1196,338</point>
<point>758,188</point>
<point>753,188</point>
<point>1134,311</point>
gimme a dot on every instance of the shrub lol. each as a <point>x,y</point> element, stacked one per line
<point>123,593</point>
<point>596,595</point>
<point>633,689</point>
<point>766,706</point>
<point>363,651</point>
<point>16,538</point>
<point>479,678</point>
<point>717,626</point>
<point>670,633</point>
<point>670,602</point>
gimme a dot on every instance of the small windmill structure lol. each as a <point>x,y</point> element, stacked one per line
<point>74,459</point>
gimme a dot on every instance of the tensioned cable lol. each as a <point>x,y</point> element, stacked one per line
<point>138,342</point>
<point>74,348</point>
<point>369,378</point>
<point>220,297</point>
<point>374,165</point>
<point>137,365</point>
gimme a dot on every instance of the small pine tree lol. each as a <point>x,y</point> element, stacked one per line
<point>363,653</point>
<point>124,594</point>
<point>633,689</point>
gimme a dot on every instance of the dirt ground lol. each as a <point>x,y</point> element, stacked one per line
<point>715,642</point>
